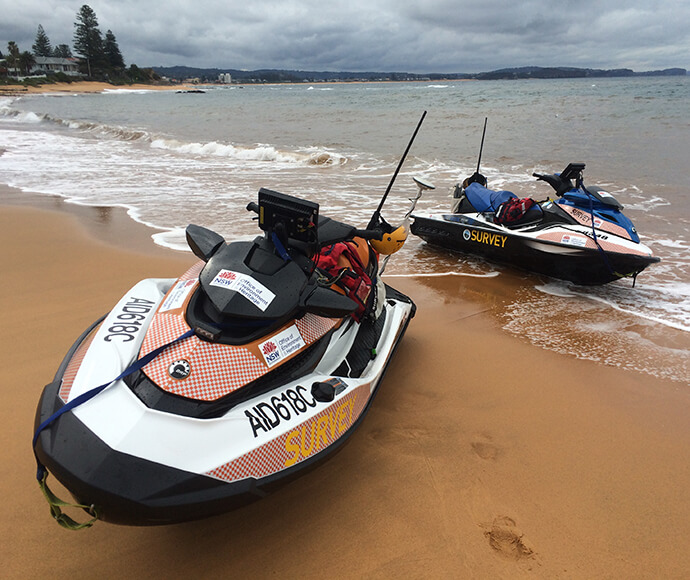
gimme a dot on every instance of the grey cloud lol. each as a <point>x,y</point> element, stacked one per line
<point>385,35</point>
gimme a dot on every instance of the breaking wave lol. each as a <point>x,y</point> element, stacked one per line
<point>258,152</point>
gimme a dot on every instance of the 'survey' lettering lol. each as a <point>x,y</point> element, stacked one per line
<point>313,435</point>
<point>489,239</point>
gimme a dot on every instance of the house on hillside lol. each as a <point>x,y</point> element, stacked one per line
<point>46,65</point>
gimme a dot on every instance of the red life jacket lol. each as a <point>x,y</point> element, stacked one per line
<point>343,262</point>
<point>511,211</point>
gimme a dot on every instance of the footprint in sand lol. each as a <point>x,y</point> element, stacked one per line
<point>399,434</point>
<point>485,448</point>
<point>505,537</point>
<point>409,441</point>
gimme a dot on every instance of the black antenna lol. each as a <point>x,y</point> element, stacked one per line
<point>481,147</point>
<point>377,214</point>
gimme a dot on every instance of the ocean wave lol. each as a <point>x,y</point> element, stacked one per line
<point>21,117</point>
<point>677,244</point>
<point>646,204</point>
<point>213,148</point>
<point>572,324</point>
<point>127,91</point>
<point>8,113</point>
<point>321,157</point>
<point>665,303</point>
<point>261,152</point>
<point>443,274</point>
<point>176,239</point>
<point>112,131</point>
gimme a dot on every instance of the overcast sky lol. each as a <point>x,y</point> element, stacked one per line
<point>421,36</point>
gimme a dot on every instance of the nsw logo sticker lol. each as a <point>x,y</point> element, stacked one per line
<point>245,285</point>
<point>281,345</point>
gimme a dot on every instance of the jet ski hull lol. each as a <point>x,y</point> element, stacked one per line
<point>139,465</point>
<point>577,260</point>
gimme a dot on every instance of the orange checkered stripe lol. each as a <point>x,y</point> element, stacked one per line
<point>313,327</point>
<point>73,366</point>
<point>217,369</point>
<point>607,245</point>
<point>558,236</point>
<point>309,438</point>
<point>586,220</point>
<point>192,273</point>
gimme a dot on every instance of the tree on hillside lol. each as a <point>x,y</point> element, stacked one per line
<point>12,58</point>
<point>42,45</point>
<point>26,62</point>
<point>141,75</point>
<point>112,52</point>
<point>88,41</point>
<point>62,51</point>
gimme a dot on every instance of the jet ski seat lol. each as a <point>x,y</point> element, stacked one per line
<point>473,196</point>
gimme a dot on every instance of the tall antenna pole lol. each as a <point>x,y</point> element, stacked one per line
<point>481,147</point>
<point>375,217</point>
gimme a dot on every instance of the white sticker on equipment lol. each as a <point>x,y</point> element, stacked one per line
<point>574,240</point>
<point>177,296</point>
<point>281,345</point>
<point>245,285</point>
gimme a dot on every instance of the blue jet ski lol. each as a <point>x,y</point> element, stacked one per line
<point>582,236</point>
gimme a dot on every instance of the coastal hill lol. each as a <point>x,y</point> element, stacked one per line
<point>535,72</point>
<point>293,76</point>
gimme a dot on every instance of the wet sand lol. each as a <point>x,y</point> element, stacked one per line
<point>481,457</point>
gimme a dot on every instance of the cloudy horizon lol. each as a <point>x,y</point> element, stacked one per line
<point>438,36</point>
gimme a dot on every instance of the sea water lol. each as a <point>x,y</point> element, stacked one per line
<point>174,158</point>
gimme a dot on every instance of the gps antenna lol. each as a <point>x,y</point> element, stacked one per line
<point>374,221</point>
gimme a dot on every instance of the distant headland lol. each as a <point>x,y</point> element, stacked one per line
<point>185,73</point>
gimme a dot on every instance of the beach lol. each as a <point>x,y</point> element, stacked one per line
<point>80,87</point>
<point>482,456</point>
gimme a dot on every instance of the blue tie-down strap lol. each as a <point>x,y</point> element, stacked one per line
<point>280,247</point>
<point>42,472</point>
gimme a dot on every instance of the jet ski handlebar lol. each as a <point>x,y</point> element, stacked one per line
<point>559,184</point>
<point>375,234</point>
<point>563,182</point>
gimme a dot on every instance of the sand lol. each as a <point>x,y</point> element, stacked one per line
<point>481,457</point>
<point>83,87</point>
